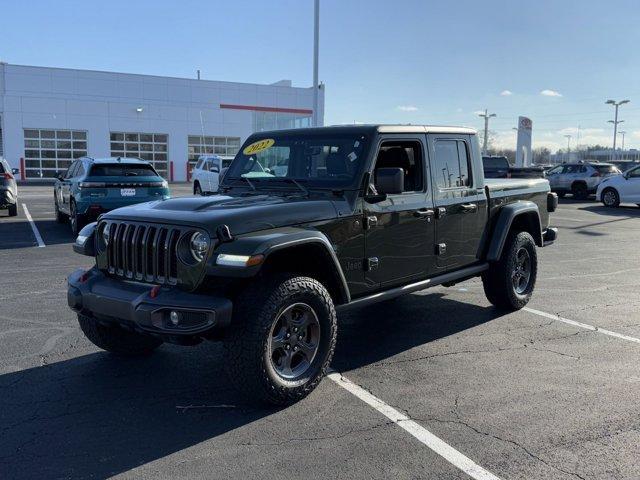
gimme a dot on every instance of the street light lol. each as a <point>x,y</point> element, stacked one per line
<point>623,134</point>
<point>615,122</point>
<point>486,117</point>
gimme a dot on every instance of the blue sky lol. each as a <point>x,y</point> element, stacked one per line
<point>401,61</point>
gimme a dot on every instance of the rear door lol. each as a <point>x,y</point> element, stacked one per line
<point>460,205</point>
<point>64,187</point>
<point>399,233</point>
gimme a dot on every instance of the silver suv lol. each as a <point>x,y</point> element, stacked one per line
<point>580,179</point>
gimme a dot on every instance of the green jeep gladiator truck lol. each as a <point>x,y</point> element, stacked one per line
<point>308,222</point>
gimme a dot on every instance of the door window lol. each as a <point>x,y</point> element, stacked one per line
<point>71,170</point>
<point>406,155</point>
<point>635,173</point>
<point>451,164</point>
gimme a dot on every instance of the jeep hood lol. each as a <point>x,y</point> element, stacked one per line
<point>241,214</point>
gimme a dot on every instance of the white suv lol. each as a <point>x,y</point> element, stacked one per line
<point>579,179</point>
<point>208,172</point>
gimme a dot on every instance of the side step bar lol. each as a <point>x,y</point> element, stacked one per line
<point>455,276</point>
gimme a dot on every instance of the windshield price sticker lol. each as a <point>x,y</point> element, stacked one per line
<point>258,146</point>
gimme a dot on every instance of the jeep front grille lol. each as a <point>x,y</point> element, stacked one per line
<point>143,252</point>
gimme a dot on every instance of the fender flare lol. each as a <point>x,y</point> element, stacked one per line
<point>505,219</point>
<point>268,242</point>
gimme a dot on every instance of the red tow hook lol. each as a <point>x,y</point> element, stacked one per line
<point>84,277</point>
<point>154,291</point>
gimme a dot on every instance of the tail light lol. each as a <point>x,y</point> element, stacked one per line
<point>92,185</point>
<point>595,174</point>
<point>7,176</point>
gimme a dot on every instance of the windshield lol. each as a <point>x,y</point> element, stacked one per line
<point>318,160</point>
<point>122,170</point>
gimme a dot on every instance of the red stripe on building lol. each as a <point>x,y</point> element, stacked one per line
<point>254,108</point>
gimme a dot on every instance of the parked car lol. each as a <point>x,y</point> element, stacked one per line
<point>623,188</point>
<point>92,186</point>
<point>363,214</point>
<point>624,165</point>
<point>580,179</point>
<point>498,166</point>
<point>206,175</point>
<point>8,188</point>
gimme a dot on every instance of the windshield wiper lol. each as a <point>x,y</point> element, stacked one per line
<point>253,187</point>
<point>296,183</point>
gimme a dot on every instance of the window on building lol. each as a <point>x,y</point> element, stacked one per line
<point>211,145</point>
<point>264,121</point>
<point>152,147</point>
<point>47,152</point>
<point>451,166</point>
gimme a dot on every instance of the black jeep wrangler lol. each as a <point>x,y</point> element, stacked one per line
<point>308,222</point>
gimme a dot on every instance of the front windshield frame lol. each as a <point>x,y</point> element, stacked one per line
<point>305,146</point>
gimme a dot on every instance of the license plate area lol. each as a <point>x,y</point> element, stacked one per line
<point>127,192</point>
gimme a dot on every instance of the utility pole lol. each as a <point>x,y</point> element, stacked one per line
<point>316,39</point>
<point>615,122</point>
<point>486,117</point>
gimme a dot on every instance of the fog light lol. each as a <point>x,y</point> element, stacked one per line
<point>174,317</point>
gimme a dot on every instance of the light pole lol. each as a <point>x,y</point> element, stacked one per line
<point>568,137</point>
<point>615,122</point>
<point>623,134</point>
<point>316,38</point>
<point>486,117</point>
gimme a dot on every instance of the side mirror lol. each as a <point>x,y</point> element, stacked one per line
<point>15,171</point>
<point>60,176</point>
<point>214,169</point>
<point>389,180</point>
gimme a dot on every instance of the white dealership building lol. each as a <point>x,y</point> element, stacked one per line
<point>48,116</point>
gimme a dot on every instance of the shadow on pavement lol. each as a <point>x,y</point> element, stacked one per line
<point>96,415</point>
<point>17,233</point>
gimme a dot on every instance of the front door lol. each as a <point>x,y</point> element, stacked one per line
<point>460,206</point>
<point>630,188</point>
<point>399,230</point>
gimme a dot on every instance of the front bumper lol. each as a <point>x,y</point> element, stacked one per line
<point>6,198</point>
<point>133,305</point>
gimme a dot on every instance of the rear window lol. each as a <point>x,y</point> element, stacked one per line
<point>495,162</point>
<point>606,168</point>
<point>122,170</point>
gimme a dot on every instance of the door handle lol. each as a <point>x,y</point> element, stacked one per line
<point>423,213</point>
<point>469,207</point>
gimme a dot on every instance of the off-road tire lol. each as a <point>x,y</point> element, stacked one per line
<point>497,281</point>
<point>579,191</point>
<point>117,340</point>
<point>610,197</point>
<point>76,220</point>
<point>247,356</point>
<point>13,210</point>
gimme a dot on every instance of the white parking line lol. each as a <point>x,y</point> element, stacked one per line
<point>36,233</point>
<point>586,326</point>
<point>439,446</point>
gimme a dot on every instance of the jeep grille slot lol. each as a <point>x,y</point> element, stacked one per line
<point>143,252</point>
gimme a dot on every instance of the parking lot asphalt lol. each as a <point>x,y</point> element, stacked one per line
<point>526,395</point>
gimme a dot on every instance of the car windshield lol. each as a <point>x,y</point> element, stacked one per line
<point>122,170</point>
<point>495,162</point>
<point>323,161</point>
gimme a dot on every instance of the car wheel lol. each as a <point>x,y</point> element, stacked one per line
<point>76,220</point>
<point>197,190</point>
<point>281,340</point>
<point>509,283</point>
<point>610,197</point>
<point>116,340</point>
<point>13,210</point>
<point>579,191</point>
<point>60,217</point>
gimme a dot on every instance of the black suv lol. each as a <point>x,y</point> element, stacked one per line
<point>308,222</point>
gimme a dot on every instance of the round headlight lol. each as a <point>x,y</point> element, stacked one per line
<point>199,245</point>
<point>105,233</point>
